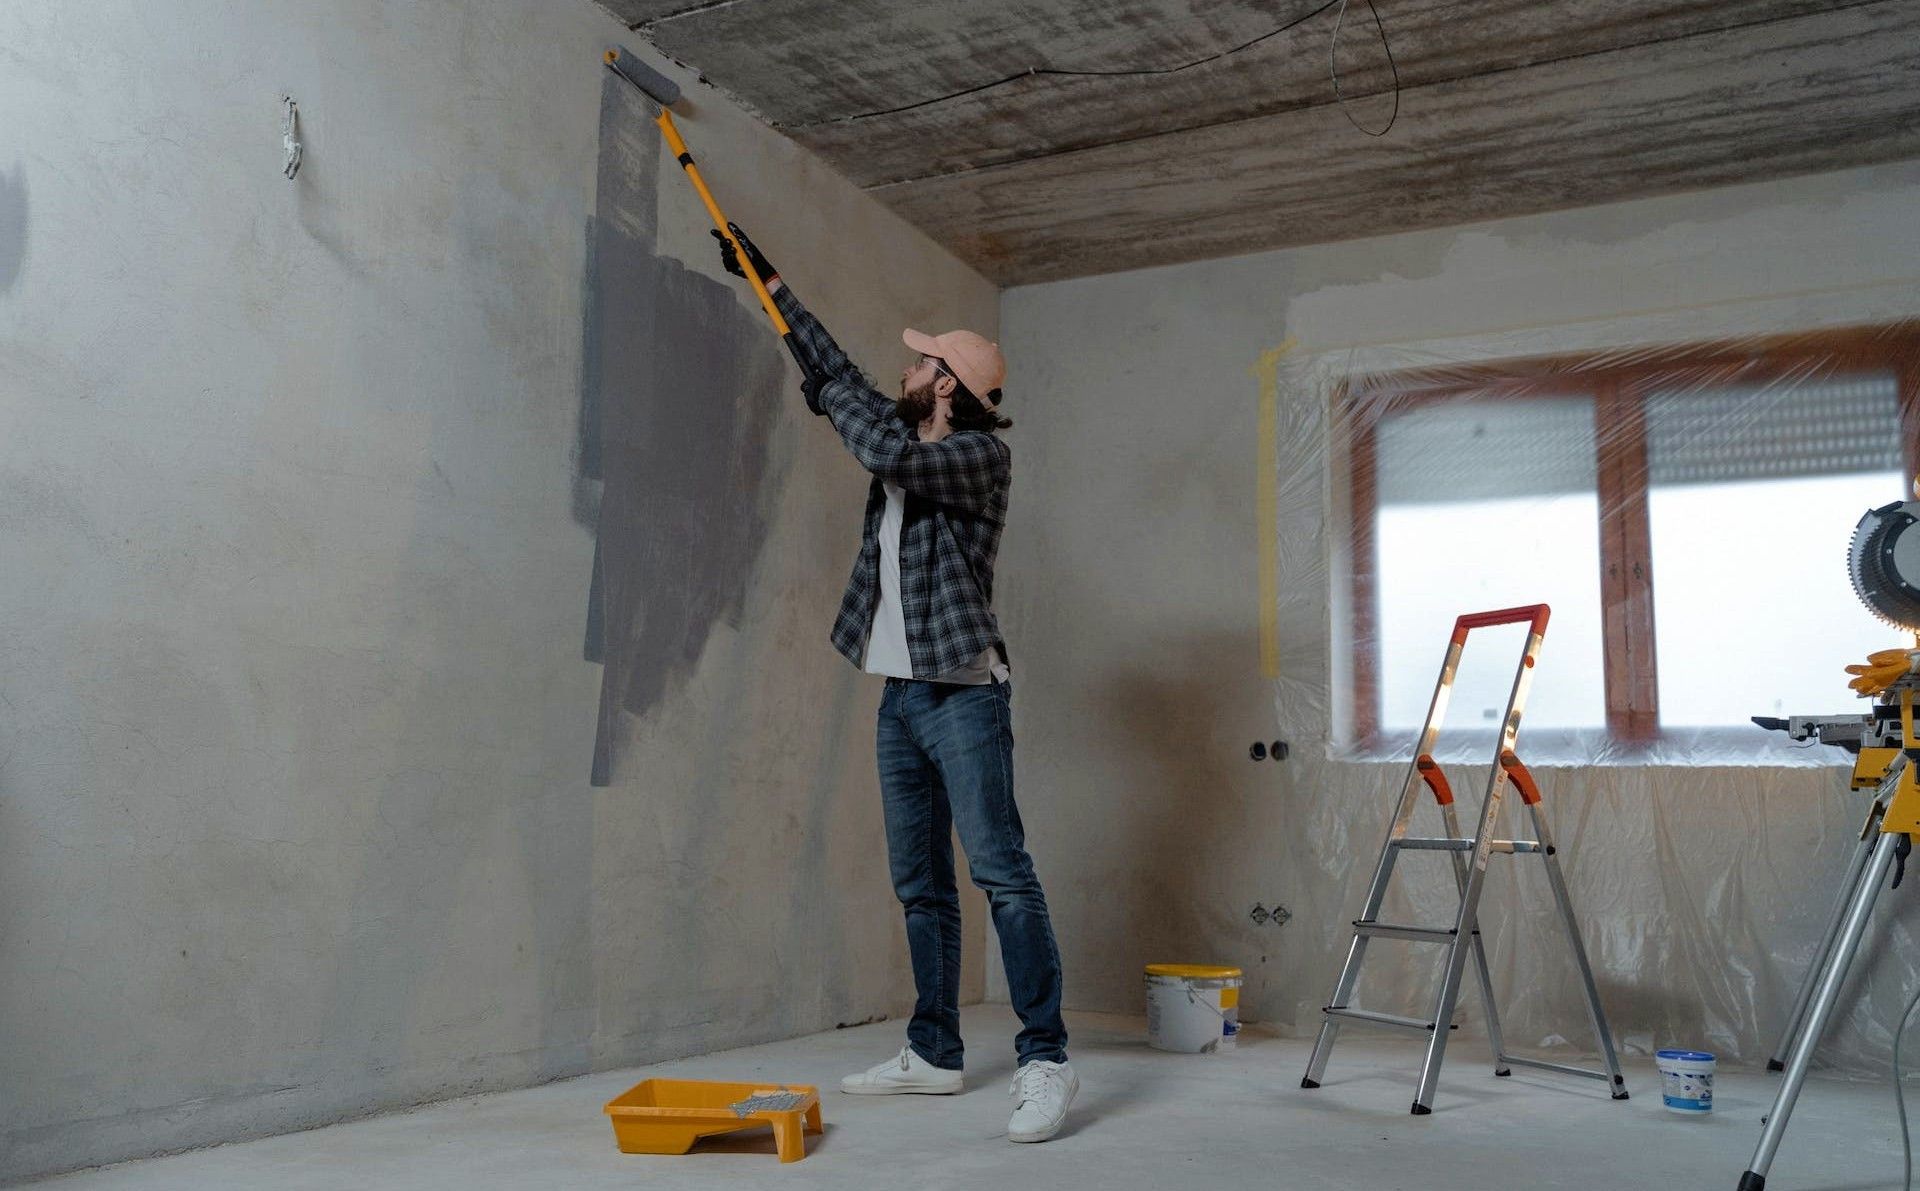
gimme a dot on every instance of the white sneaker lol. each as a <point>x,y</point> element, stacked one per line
<point>905,1073</point>
<point>1044,1091</point>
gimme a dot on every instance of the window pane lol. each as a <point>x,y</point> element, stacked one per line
<point>1483,505</point>
<point>1753,497</point>
<point>1753,611</point>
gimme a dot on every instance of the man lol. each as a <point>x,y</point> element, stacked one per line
<point>917,612</point>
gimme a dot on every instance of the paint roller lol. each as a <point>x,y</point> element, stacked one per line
<point>665,92</point>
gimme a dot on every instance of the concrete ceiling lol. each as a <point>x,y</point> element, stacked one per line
<point>1506,107</point>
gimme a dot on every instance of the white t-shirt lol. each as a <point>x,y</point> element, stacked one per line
<point>887,640</point>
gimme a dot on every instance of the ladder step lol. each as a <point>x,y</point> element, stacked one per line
<point>1517,845</point>
<point>1412,934</point>
<point>1379,1019</point>
<point>1562,1068</point>
<point>1415,843</point>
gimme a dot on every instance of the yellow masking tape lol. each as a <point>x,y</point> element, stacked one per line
<point>1267,371</point>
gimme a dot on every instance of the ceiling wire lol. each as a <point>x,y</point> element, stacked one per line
<point>1333,69</point>
<point>1068,72</point>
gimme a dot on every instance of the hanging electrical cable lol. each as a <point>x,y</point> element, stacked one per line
<point>1333,69</point>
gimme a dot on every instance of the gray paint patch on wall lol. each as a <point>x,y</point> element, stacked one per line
<point>679,394</point>
<point>13,226</point>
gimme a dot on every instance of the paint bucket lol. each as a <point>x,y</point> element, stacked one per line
<point>1192,1008</point>
<point>1686,1080</point>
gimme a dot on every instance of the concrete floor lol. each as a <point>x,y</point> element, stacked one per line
<point>1144,1120</point>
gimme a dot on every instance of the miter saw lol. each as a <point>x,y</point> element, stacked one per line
<point>1884,562</point>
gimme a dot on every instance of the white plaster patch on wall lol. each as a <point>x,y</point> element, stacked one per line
<point>1677,268</point>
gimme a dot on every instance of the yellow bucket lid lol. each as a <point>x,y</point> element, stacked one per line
<point>1194,971</point>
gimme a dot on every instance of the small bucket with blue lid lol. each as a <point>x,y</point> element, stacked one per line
<point>1686,1080</point>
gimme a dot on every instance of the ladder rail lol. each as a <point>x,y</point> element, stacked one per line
<point>1596,1016</point>
<point>1494,1036</point>
<point>1448,994</point>
<point>1383,868</point>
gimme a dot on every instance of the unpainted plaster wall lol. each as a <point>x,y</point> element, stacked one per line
<point>306,673</point>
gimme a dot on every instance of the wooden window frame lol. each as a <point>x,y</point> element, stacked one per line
<point>1617,382</point>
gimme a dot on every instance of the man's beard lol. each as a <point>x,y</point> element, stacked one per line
<point>915,405</point>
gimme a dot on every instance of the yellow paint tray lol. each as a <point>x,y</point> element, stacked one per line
<point>666,1116</point>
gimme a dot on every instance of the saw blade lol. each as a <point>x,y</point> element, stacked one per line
<point>1884,563</point>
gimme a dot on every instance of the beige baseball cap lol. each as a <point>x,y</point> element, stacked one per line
<point>974,359</point>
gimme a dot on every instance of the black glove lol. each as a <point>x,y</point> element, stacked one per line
<point>731,259</point>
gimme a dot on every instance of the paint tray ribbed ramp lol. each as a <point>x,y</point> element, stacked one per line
<point>667,1116</point>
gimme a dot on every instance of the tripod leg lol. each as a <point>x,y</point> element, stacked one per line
<point>1859,910</point>
<point>1864,849</point>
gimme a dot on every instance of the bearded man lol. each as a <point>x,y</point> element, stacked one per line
<point>917,612</point>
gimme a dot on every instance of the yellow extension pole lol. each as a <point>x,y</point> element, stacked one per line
<point>679,147</point>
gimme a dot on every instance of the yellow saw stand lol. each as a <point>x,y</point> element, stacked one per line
<point>1890,677</point>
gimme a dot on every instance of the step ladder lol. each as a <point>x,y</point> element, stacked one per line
<point>1469,855</point>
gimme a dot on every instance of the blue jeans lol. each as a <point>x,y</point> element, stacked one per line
<point>946,762</point>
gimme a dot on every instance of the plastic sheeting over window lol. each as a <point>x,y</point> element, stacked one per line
<point>1686,510</point>
<point>1785,428</point>
<point>1807,455</point>
<point>1487,504</point>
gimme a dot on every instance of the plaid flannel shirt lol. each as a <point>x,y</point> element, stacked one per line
<point>956,506</point>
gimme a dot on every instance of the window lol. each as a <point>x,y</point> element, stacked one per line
<point>1487,504</point>
<point>1685,511</point>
